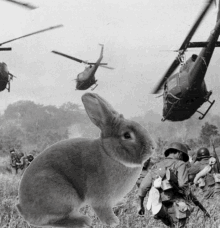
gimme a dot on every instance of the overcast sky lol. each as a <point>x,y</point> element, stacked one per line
<point>135,33</point>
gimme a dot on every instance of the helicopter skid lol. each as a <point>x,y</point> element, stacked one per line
<point>203,115</point>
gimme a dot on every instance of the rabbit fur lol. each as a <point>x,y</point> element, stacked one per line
<point>77,172</point>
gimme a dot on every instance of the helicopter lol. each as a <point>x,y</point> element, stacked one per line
<point>184,92</point>
<point>5,75</point>
<point>86,78</point>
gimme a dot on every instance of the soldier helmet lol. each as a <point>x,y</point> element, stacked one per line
<point>180,147</point>
<point>12,150</point>
<point>30,157</point>
<point>202,153</point>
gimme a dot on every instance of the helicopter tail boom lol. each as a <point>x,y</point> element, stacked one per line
<point>218,13</point>
<point>102,49</point>
<point>201,65</point>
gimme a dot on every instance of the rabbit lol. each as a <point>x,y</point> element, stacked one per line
<point>76,172</point>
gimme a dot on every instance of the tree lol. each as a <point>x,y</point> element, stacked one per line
<point>207,132</point>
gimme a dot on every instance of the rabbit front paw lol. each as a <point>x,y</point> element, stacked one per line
<point>107,216</point>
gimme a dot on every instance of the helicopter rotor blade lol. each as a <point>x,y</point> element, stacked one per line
<point>182,48</point>
<point>70,57</point>
<point>185,43</point>
<point>107,67</point>
<point>26,5</point>
<point>99,64</point>
<point>30,34</point>
<point>5,49</point>
<point>170,50</point>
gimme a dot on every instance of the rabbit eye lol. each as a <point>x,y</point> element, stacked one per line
<point>127,135</point>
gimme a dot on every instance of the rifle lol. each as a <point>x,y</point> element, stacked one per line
<point>171,177</point>
<point>217,166</point>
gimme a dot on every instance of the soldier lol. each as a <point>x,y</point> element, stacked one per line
<point>165,202</point>
<point>204,168</point>
<point>25,162</point>
<point>15,158</point>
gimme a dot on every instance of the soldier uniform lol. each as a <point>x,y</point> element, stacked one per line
<point>25,161</point>
<point>147,165</point>
<point>166,203</point>
<point>207,183</point>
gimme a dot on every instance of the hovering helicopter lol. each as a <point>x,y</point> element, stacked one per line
<point>86,78</point>
<point>5,75</point>
<point>185,91</point>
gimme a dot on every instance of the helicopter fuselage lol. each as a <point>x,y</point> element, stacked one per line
<point>4,76</point>
<point>181,100</point>
<point>185,91</point>
<point>86,78</point>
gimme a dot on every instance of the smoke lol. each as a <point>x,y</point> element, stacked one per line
<point>74,131</point>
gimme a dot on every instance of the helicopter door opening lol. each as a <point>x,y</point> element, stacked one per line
<point>173,88</point>
<point>172,83</point>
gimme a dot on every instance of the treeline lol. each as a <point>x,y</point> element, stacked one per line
<point>194,132</point>
<point>32,127</point>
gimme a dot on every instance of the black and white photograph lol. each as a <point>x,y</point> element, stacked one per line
<point>110,114</point>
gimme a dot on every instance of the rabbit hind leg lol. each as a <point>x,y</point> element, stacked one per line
<point>74,220</point>
<point>58,211</point>
<point>106,215</point>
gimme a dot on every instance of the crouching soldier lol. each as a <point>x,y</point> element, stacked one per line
<point>25,162</point>
<point>166,203</point>
<point>203,174</point>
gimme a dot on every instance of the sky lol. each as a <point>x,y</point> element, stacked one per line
<point>138,36</point>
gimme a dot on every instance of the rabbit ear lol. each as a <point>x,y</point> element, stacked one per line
<point>99,110</point>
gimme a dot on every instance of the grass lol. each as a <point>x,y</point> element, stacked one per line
<point>127,213</point>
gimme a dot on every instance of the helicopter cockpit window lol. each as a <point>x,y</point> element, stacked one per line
<point>4,67</point>
<point>82,76</point>
<point>172,83</point>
